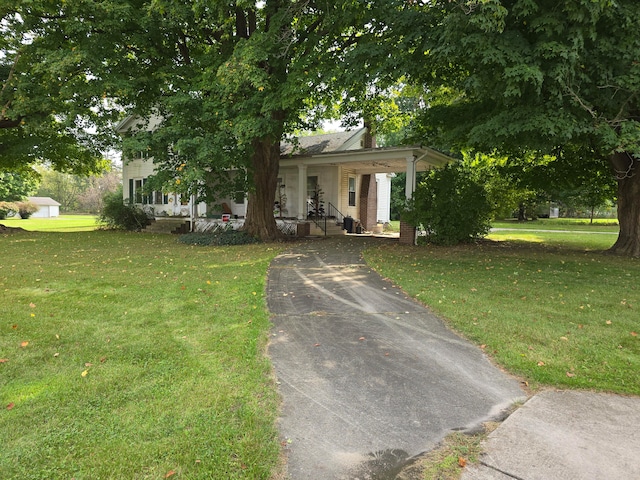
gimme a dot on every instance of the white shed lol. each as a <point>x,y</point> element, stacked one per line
<point>47,207</point>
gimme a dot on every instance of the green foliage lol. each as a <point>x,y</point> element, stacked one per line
<point>450,206</point>
<point>120,216</point>
<point>7,209</point>
<point>78,193</point>
<point>51,91</point>
<point>18,184</point>
<point>552,79</point>
<point>220,237</point>
<point>26,209</point>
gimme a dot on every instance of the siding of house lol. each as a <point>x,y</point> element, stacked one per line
<point>343,205</point>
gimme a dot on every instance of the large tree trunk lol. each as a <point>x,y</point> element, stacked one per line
<point>260,221</point>
<point>628,173</point>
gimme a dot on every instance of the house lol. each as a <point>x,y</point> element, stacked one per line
<point>336,175</point>
<point>47,207</point>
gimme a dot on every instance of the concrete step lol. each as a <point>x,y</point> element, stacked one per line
<point>332,229</point>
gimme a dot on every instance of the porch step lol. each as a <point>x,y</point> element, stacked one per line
<point>332,230</point>
<point>168,226</point>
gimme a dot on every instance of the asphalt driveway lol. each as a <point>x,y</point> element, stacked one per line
<point>369,378</point>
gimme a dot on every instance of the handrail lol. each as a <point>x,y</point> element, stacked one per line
<point>320,218</point>
<point>333,212</point>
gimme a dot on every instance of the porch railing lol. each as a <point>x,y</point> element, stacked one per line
<point>320,218</point>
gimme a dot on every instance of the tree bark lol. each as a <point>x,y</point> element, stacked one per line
<point>260,221</point>
<point>627,171</point>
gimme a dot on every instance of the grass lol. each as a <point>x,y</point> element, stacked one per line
<point>133,356</point>
<point>582,224</point>
<point>63,223</point>
<point>549,307</point>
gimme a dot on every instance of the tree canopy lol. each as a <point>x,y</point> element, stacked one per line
<point>51,108</point>
<point>536,76</point>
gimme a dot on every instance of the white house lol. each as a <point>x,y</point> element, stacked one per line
<point>353,176</point>
<point>47,207</point>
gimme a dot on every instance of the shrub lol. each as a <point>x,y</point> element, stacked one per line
<point>450,206</point>
<point>26,209</point>
<point>120,216</point>
<point>7,209</point>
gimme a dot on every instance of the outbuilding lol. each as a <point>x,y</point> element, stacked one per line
<point>47,207</point>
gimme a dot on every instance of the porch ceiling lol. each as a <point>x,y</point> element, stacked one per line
<point>373,160</point>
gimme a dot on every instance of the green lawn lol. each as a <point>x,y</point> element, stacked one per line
<point>581,224</point>
<point>63,223</point>
<point>550,307</point>
<point>133,356</point>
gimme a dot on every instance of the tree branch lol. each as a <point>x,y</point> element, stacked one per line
<point>5,107</point>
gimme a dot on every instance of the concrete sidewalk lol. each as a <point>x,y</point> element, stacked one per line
<point>568,435</point>
<point>370,379</point>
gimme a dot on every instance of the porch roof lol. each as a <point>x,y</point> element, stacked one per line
<point>373,160</point>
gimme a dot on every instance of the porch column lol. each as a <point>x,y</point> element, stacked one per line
<point>408,232</point>
<point>302,192</point>
<point>410,185</point>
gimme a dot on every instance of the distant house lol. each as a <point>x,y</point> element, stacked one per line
<point>352,174</point>
<point>47,207</point>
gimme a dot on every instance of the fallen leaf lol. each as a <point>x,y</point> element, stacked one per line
<point>14,326</point>
<point>33,314</point>
<point>24,344</point>
<point>608,322</point>
<point>462,462</point>
<point>4,360</point>
<point>316,344</point>
<point>170,473</point>
<point>56,354</point>
<point>541,364</point>
<point>483,346</point>
<point>634,334</point>
<point>85,373</point>
<point>103,359</point>
<point>362,338</point>
<point>564,338</point>
<point>88,364</point>
<point>32,305</point>
<point>569,374</point>
<point>10,406</point>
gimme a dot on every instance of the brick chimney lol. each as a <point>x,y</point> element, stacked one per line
<point>369,138</point>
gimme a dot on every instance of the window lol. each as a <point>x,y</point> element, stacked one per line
<point>352,191</point>
<point>160,198</point>
<point>137,190</point>
<point>137,194</point>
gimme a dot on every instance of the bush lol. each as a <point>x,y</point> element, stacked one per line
<point>450,206</point>
<point>26,209</point>
<point>7,209</point>
<point>221,236</point>
<point>120,216</point>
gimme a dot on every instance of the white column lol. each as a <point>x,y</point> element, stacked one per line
<point>410,185</point>
<point>302,192</point>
